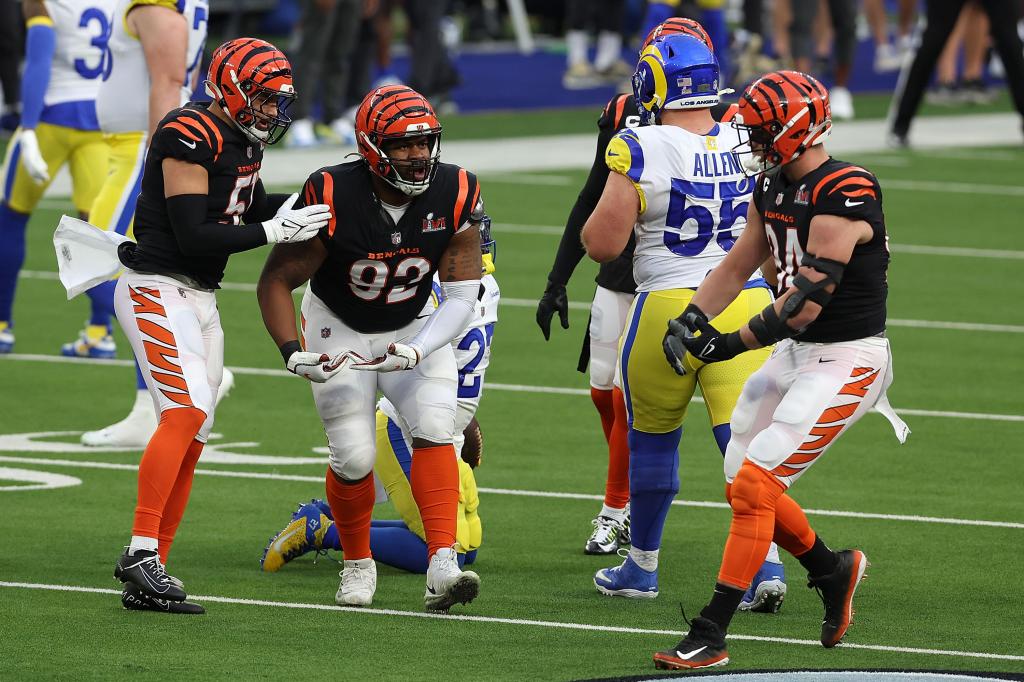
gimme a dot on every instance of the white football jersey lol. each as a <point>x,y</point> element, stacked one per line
<point>123,102</point>
<point>693,200</point>
<point>80,58</point>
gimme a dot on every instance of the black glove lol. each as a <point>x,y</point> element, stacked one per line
<point>710,346</point>
<point>554,299</point>
<point>682,326</point>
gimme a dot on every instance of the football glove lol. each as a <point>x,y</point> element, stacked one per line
<point>710,346</point>
<point>292,225</point>
<point>553,300</point>
<point>31,158</point>
<point>399,356</point>
<point>317,367</point>
<point>678,328</point>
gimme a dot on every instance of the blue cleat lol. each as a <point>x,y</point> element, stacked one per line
<point>91,343</point>
<point>325,508</point>
<point>303,534</point>
<point>627,580</point>
<point>6,338</point>
<point>767,590</point>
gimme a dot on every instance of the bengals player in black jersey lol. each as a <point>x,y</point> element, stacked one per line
<point>200,184</point>
<point>821,219</point>
<point>368,323</point>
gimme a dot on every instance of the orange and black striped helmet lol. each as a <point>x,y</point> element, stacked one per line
<point>676,25</point>
<point>251,80</point>
<point>391,113</point>
<point>785,113</point>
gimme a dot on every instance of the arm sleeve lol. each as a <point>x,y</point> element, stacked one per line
<point>450,318</point>
<point>570,248</point>
<point>40,44</point>
<point>263,206</point>
<point>195,237</point>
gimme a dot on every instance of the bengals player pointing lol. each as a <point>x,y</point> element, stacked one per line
<point>405,216</point>
<point>201,181</point>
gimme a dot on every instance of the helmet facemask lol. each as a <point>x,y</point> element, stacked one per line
<point>401,173</point>
<point>253,120</point>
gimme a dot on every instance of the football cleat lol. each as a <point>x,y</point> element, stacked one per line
<point>767,590</point>
<point>227,382</point>
<point>305,533</point>
<point>145,570</point>
<point>134,431</point>
<point>91,345</point>
<point>609,534</point>
<point>6,338</point>
<point>134,599</point>
<point>447,584</point>
<point>627,580</point>
<point>703,647</point>
<point>836,591</point>
<point>358,583</point>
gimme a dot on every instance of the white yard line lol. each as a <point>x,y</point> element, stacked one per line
<point>589,627</point>
<point>268,476</point>
<point>521,388</point>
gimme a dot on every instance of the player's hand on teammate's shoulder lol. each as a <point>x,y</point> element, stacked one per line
<point>292,224</point>
<point>399,356</point>
<point>553,300</point>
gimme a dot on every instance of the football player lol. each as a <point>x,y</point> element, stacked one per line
<point>679,245</point>
<point>821,221</point>
<point>66,58</point>
<point>402,543</point>
<point>202,199</point>
<point>406,216</point>
<point>155,54</point>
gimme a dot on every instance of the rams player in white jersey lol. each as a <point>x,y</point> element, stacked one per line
<point>684,188</point>
<point>401,543</point>
<point>156,47</point>
<point>66,57</point>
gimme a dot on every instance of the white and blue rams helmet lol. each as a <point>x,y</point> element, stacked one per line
<point>675,72</point>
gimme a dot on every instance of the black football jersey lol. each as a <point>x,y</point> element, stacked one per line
<point>378,275</point>
<point>232,162</point>
<point>857,307</point>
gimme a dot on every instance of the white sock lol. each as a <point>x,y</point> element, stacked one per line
<point>613,513</point>
<point>609,49</point>
<point>142,542</point>
<point>644,559</point>
<point>773,554</point>
<point>576,47</point>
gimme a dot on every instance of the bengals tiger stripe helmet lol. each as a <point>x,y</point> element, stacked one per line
<point>676,25</point>
<point>392,113</point>
<point>251,80</point>
<point>784,113</point>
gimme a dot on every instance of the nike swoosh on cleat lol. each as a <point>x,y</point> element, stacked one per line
<point>283,538</point>
<point>690,655</point>
<point>156,586</point>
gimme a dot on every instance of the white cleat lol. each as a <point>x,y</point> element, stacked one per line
<point>227,382</point>
<point>447,584</point>
<point>842,103</point>
<point>301,134</point>
<point>358,583</point>
<point>134,431</point>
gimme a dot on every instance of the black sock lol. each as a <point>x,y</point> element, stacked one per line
<point>723,605</point>
<point>819,560</point>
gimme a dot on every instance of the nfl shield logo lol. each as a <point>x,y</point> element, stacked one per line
<point>248,152</point>
<point>325,333</point>
<point>396,238</point>
<point>778,199</point>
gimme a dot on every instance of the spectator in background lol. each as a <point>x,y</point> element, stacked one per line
<point>889,56</point>
<point>971,34</point>
<point>608,65</point>
<point>942,16</point>
<point>323,40</point>
<point>11,49</point>
<point>710,13</point>
<point>843,14</point>
<point>433,73</point>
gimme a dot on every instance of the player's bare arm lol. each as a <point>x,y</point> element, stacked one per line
<point>183,177</point>
<point>34,8</point>
<point>607,230</point>
<point>164,37</point>
<point>288,267</point>
<point>461,260</point>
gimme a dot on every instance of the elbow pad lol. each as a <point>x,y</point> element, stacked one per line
<point>450,318</point>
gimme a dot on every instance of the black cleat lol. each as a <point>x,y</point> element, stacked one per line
<point>147,572</point>
<point>703,647</point>
<point>134,599</point>
<point>836,591</point>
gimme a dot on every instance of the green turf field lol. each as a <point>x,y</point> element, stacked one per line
<point>940,517</point>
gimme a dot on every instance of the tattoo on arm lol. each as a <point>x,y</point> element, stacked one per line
<point>461,260</point>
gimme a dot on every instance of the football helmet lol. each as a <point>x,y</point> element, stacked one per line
<point>783,113</point>
<point>675,72</point>
<point>390,113</point>
<point>676,25</point>
<point>251,80</point>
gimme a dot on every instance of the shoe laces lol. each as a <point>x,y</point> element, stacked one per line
<point>355,576</point>
<point>604,529</point>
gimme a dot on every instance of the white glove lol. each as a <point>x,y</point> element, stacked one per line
<point>292,225</point>
<point>318,367</point>
<point>31,158</point>
<point>399,357</point>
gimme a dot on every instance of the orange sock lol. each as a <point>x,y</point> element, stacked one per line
<point>435,485</point>
<point>160,465</point>
<point>754,493</point>
<point>793,532</point>
<point>604,401</point>
<point>175,507</point>
<point>352,508</point>
<point>616,489</point>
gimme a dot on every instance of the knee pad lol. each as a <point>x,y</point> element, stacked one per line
<point>654,461</point>
<point>352,462</point>
<point>603,358</point>
<point>752,486</point>
<point>773,446</point>
<point>434,424</point>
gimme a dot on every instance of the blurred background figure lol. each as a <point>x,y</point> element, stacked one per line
<point>432,72</point>
<point>12,33</point>
<point>802,32</point>
<point>971,36</point>
<point>606,18</point>
<point>889,55</point>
